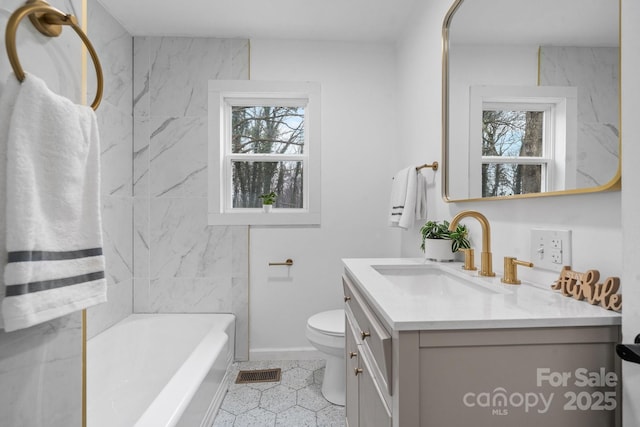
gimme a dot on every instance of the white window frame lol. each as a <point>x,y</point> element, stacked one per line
<point>223,95</point>
<point>560,132</point>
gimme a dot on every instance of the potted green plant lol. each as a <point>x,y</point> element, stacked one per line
<point>440,244</point>
<point>268,199</point>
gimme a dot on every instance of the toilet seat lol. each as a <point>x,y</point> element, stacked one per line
<point>328,322</point>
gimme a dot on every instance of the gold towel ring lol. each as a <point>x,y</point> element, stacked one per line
<point>48,20</point>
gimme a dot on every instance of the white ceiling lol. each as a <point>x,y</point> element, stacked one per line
<point>525,21</point>
<point>541,22</point>
<point>350,20</point>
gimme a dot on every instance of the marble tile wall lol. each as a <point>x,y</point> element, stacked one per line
<point>181,264</point>
<point>40,367</point>
<point>594,70</point>
<point>115,119</point>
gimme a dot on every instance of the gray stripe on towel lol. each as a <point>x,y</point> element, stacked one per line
<point>24,256</point>
<point>27,288</point>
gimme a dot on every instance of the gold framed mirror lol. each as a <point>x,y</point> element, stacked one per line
<point>530,98</point>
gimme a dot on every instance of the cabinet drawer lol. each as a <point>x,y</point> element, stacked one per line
<point>370,331</point>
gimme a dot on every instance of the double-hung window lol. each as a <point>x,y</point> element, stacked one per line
<point>264,138</point>
<point>522,139</point>
<point>517,148</point>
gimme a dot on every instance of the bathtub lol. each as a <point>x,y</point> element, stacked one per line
<point>159,370</point>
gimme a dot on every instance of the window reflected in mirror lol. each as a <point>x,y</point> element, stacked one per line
<point>513,152</point>
<point>522,140</point>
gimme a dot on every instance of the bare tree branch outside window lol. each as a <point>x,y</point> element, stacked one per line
<point>267,130</point>
<point>511,134</point>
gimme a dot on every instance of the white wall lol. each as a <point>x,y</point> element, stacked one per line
<point>595,219</point>
<point>359,147</point>
<point>630,203</point>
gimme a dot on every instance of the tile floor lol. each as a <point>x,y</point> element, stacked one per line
<point>295,401</point>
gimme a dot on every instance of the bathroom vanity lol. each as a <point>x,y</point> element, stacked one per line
<point>431,345</point>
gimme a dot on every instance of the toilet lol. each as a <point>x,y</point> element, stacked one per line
<point>325,331</point>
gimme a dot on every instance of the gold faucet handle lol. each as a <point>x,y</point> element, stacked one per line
<point>511,270</point>
<point>469,263</point>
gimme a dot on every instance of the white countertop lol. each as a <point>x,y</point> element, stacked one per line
<point>413,303</point>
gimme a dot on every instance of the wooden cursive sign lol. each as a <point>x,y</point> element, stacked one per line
<point>585,286</point>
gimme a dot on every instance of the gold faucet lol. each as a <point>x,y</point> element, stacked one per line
<point>486,268</point>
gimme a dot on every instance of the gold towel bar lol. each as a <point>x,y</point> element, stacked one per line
<point>288,262</point>
<point>48,20</point>
<point>433,166</point>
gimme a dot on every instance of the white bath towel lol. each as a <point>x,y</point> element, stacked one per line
<point>53,225</point>
<point>403,198</point>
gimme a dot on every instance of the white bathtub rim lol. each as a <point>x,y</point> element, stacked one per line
<point>166,410</point>
<point>106,407</point>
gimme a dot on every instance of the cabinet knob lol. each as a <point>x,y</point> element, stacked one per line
<point>358,371</point>
<point>365,334</point>
<point>346,298</point>
<point>353,354</point>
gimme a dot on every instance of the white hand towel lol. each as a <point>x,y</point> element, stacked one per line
<point>403,198</point>
<point>53,224</point>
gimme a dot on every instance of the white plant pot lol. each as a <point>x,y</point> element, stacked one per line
<point>267,208</point>
<point>438,250</point>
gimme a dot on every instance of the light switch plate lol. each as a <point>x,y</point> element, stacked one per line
<point>550,249</point>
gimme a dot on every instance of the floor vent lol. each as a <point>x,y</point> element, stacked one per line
<point>258,376</point>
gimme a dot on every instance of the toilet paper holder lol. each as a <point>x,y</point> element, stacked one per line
<point>288,263</point>
<point>630,352</point>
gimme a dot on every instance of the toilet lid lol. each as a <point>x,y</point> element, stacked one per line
<point>328,322</point>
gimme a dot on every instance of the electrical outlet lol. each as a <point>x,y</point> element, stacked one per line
<point>551,249</point>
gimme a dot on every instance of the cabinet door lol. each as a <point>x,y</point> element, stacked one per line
<point>352,354</point>
<point>373,411</point>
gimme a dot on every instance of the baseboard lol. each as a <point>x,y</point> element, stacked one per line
<point>292,353</point>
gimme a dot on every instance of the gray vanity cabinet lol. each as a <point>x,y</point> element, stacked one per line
<point>367,397</point>
<point>491,377</point>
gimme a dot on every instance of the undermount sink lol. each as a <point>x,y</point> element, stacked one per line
<point>434,279</point>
